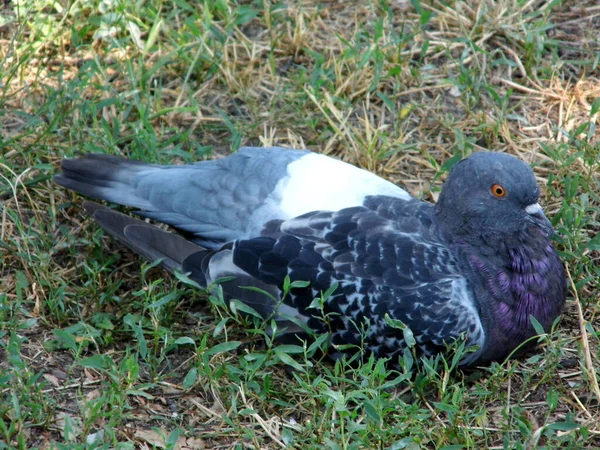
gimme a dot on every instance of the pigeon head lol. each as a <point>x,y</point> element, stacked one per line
<point>491,194</point>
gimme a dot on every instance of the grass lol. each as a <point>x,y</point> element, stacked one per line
<point>98,350</point>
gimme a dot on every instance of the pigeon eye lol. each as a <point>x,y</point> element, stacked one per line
<point>498,190</point>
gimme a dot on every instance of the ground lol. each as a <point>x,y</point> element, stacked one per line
<point>100,350</point>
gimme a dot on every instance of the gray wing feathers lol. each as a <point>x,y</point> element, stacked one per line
<point>199,198</point>
<point>196,198</point>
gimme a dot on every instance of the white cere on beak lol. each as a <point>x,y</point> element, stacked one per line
<point>534,209</point>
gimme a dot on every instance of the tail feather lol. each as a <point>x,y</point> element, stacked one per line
<point>204,267</point>
<point>105,177</point>
<point>161,244</point>
<point>148,240</point>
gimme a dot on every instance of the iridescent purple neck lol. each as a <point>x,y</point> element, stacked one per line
<point>533,283</point>
<point>525,279</point>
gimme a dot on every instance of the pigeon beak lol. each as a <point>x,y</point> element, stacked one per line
<point>537,216</point>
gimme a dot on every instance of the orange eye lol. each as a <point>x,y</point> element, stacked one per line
<point>498,190</point>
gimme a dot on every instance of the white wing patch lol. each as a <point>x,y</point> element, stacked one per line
<point>318,182</point>
<point>221,265</point>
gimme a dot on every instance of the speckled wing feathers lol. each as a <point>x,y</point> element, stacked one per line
<point>380,269</point>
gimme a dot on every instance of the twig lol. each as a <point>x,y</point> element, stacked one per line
<point>264,424</point>
<point>589,366</point>
<point>71,386</point>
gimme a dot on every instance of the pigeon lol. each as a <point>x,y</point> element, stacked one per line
<point>477,267</point>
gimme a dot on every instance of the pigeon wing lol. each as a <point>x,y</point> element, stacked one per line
<point>388,263</point>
